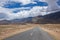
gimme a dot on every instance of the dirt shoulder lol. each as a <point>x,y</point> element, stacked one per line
<point>9,30</point>
<point>53,29</point>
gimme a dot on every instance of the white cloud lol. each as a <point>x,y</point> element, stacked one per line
<point>35,11</point>
<point>52,5</point>
<point>2,2</point>
<point>42,0</point>
<point>24,2</point>
<point>9,15</point>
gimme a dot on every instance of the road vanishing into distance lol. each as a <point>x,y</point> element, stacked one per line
<point>33,34</point>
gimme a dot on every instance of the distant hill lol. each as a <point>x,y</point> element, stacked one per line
<point>52,18</point>
<point>16,21</point>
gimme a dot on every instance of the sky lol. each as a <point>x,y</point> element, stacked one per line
<point>17,9</point>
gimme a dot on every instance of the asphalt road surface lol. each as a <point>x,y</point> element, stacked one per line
<point>33,34</point>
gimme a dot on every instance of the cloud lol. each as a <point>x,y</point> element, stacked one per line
<point>23,12</point>
<point>35,11</point>
<point>3,16</point>
<point>52,5</point>
<point>24,2</point>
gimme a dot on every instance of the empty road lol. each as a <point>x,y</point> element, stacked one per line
<point>33,34</point>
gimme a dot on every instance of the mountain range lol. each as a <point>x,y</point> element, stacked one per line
<point>52,18</point>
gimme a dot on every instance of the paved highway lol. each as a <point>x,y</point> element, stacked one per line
<point>33,34</point>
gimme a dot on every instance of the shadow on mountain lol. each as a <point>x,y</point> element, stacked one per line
<point>53,18</point>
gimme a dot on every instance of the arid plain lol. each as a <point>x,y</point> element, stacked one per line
<point>10,30</point>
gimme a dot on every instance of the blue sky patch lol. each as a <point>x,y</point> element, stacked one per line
<point>16,11</point>
<point>12,5</point>
<point>58,2</point>
<point>19,5</point>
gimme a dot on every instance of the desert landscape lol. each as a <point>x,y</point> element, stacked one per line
<point>34,19</point>
<point>49,23</point>
<point>10,30</point>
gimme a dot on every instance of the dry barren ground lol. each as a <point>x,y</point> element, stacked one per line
<point>9,30</point>
<point>53,29</point>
